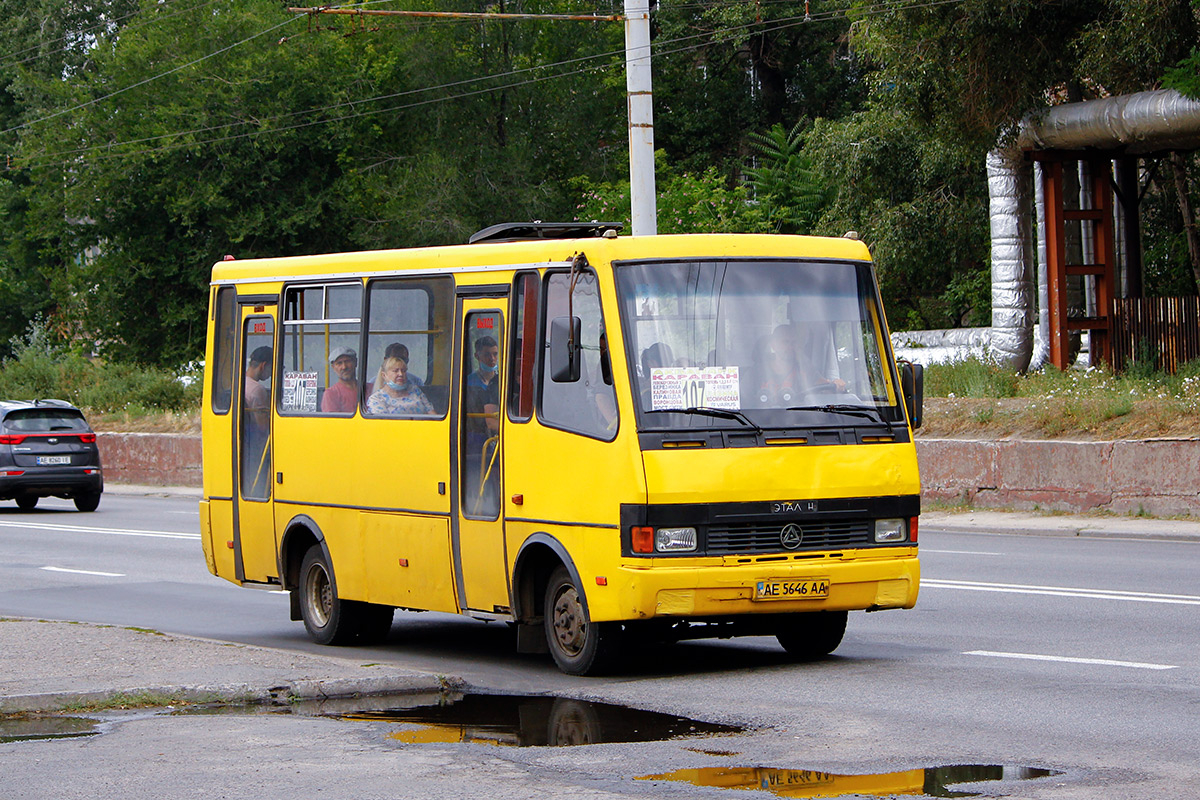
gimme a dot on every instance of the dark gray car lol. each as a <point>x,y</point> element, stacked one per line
<point>47,449</point>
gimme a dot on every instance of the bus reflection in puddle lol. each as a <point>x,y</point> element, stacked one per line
<point>930,782</point>
<point>533,721</point>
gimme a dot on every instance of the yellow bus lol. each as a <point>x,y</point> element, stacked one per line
<point>589,436</point>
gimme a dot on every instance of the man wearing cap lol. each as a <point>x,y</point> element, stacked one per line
<point>342,397</point>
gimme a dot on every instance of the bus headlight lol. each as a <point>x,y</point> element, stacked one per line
<point>674,540</point>
<point>891,530</point>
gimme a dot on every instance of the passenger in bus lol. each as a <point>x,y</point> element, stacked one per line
<point>399,349</point>
<point>342,397</point>
<point>394,394</point>
<point>786,373</point>
<point>258,395</point>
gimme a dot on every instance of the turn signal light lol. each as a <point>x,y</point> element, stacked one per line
<point>642,539</point>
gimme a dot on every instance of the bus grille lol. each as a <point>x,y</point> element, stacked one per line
<point>751,537</point>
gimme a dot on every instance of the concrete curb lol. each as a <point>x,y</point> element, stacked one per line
<point>1024,523</point>
<point>228,694</point>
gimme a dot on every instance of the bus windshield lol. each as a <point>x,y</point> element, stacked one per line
<point>780,343</point>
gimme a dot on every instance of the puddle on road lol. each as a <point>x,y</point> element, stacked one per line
<point>533,721</point>
<point>930,782</point>
<point>21,729</point>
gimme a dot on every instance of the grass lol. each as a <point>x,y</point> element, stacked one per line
<point>979,399</point>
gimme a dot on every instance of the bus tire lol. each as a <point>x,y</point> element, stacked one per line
<point>327,618</point>
<point>579,647</point>
<point>812,635</point>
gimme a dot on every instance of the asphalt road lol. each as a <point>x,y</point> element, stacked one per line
<point>1074,654</point>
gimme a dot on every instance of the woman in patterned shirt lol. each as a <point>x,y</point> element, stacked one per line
<point>394,393</point>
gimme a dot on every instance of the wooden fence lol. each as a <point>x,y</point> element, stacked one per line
<point>1165,329</point>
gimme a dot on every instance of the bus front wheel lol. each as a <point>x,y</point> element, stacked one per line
<point>579,646</point>
<point>330,619</point>
<point>812,635</point>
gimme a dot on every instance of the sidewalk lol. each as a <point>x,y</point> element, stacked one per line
<point>55,666</point>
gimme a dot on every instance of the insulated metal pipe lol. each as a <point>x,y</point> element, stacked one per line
<point>1009,213</point>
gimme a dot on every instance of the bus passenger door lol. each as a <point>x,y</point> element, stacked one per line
<point>254,523</point>
<point>480,558</point>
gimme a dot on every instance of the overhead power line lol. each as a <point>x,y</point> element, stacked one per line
<point>106,152</point>
<point>364,12</point>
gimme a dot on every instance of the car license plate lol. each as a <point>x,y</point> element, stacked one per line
<point>44,460</point>
<point>791,589</point>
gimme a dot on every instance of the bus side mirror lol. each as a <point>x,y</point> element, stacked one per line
<point>912,381</point>
<point>565,349</point>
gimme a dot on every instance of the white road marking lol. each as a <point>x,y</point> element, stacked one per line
<point>85,572</point>
<point>961,552</point>
<point>1103,662</point>
<point>50,526</point>
<point>1063,591</point>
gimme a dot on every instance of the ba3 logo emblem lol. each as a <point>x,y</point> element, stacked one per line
<point>791,536</point>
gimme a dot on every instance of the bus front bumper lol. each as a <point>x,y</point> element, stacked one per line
<point>852,581</point>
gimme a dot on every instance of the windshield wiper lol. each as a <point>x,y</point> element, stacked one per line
<point>845,408</point>
<point>723,413</point>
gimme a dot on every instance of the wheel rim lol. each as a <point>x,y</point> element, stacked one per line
<point>318,596</point>
<point>570,629</point>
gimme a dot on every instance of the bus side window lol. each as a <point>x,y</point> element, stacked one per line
<point>588,405</point>
<point>523,351</point>
<point>409,319</point>
<point>321,329</point>
<point>224,341</point>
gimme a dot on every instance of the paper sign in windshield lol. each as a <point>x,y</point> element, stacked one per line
<point>695,387</point>
<point>300,391</point>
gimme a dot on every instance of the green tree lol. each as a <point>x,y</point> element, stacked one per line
<point>686,202</point>
<point>784,181</point>
<point>241,128</point>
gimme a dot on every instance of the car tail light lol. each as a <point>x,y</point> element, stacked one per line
<point>12,473</point>
<point>87,438</point>
<point>11,438</point>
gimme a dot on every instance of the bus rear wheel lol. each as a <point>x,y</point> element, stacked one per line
<point>330,619</point>
<point>812,635</point>
<point>579,646</point>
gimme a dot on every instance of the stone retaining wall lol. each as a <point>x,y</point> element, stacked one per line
<point>153,459</point>
<point>1160,477</point>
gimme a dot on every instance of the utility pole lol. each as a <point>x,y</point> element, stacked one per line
<point>642,196</point>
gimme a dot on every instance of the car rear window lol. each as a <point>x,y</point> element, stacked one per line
<point>34,420</point>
